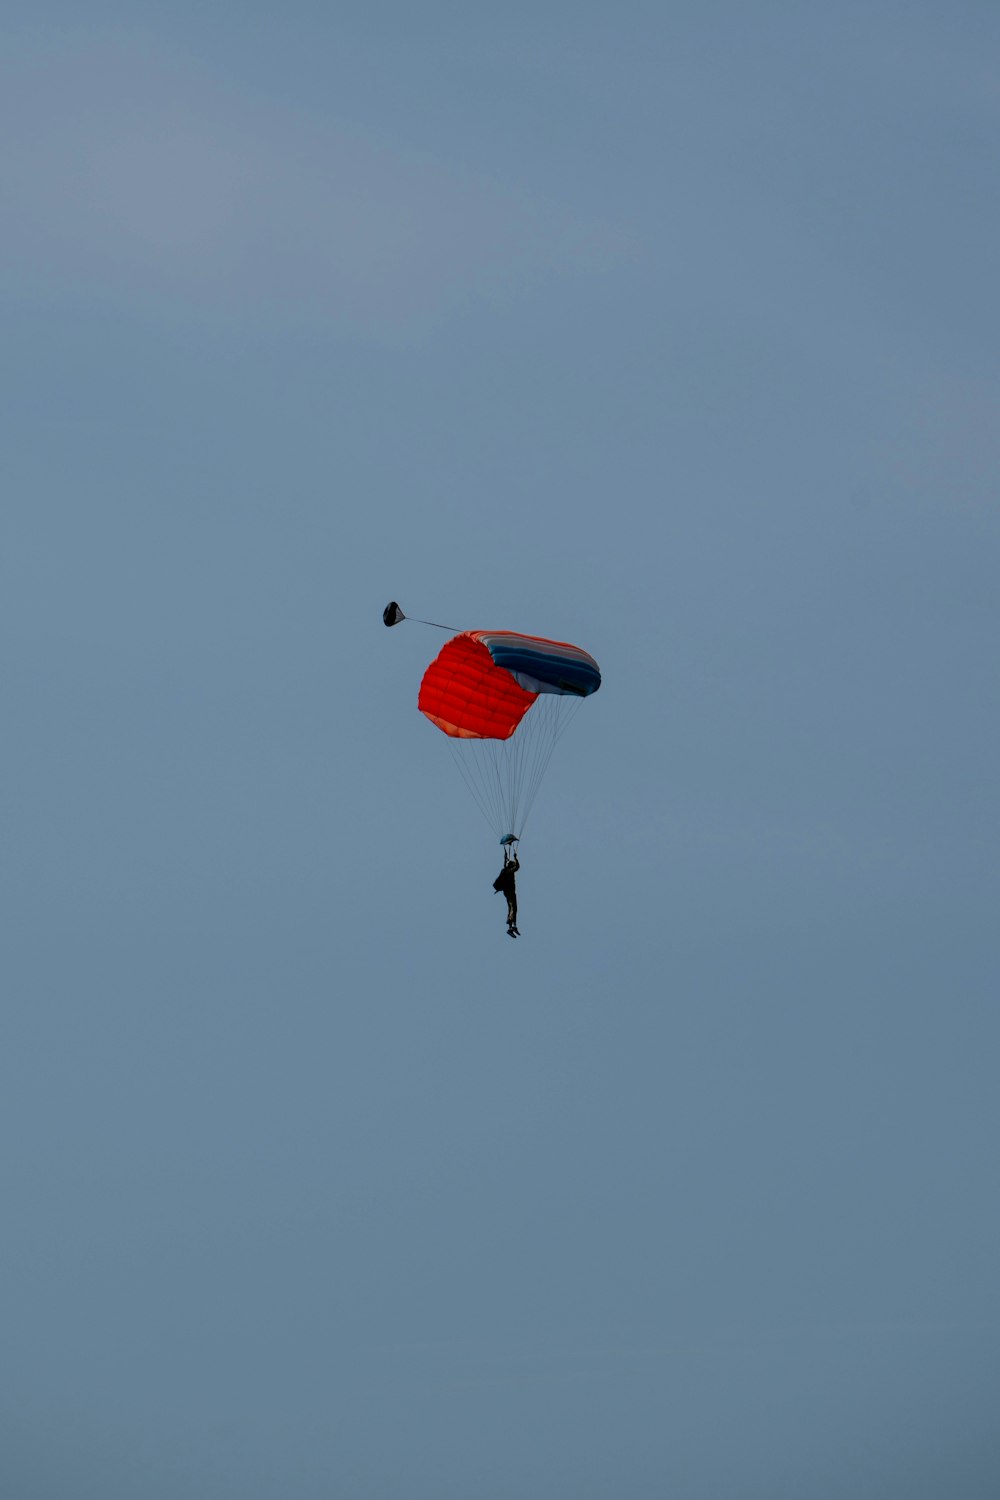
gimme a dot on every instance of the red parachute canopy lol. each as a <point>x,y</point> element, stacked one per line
<point>467,695</point>
<point>478,691</point>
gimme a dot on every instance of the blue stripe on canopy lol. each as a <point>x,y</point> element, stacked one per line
<point>542,666</point>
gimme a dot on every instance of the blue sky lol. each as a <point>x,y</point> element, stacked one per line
<point>668,330</point>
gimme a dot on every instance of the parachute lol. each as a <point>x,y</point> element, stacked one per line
<point>503,700</point>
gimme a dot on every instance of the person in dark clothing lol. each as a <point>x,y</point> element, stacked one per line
<point>505,882</point>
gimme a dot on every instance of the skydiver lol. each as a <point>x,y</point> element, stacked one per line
<point>506,882</point>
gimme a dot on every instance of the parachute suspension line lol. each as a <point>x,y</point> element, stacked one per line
<point>557,713</point>
<point>503,776</point>
<point>486,793</point>
<point>487,771</point>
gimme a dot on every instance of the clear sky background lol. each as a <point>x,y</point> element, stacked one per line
<point>669,329</point>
